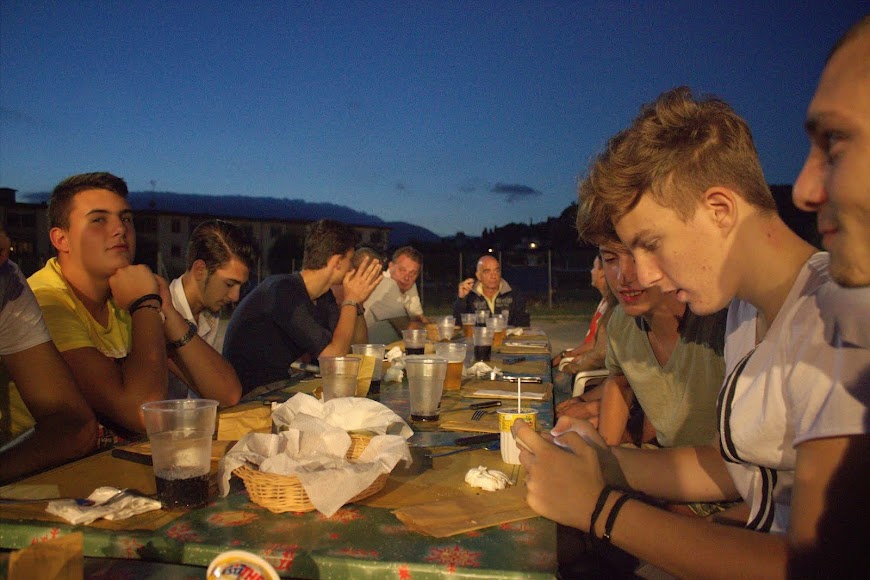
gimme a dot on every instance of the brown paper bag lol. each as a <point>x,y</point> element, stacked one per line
<point>242,419</point>
<point>57,559</point>
<point>465,513</point>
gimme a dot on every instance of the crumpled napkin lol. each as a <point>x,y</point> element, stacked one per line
<point>487,479</point>
<point>120,509</point>
<point>477,369</point>
<point>314,445</point>
<point>396,358</point>
<point>518,331</point>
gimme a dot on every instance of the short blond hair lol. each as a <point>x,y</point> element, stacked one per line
<point>675,150</point>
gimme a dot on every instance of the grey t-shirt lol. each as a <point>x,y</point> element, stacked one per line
<point>679,398</point>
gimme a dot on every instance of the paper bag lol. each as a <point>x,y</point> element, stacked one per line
<point>57,559</point>
<point>234,423</point>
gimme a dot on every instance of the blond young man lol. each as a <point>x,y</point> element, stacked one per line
<point>684,190</point>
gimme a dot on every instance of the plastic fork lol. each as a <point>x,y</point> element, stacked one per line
<point>80,501</point>
<point>478,415</point>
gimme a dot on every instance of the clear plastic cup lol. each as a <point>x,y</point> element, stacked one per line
<point>180,432</point>
<point>415,340</point>
<point>469,319</point>
<point>498,324</point>
<point>482,338</point>
<point>426,384</point>
<point>376,351</point>
<point>454,353</point>
<point>339,376</point>
<point>446,326</point>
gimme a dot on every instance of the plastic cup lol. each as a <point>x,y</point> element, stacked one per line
<point>426,383</point>
<point>510,452</point>
<point>180,433</point>
<point>454,353</point>
<point>482,338</point>
<point>480,318</point>
<point>339,376</point>
<point>415,340</point>
<point>376,351</point>
<point>498,326</point>
<point>446,326</point>
<point>469,319</point>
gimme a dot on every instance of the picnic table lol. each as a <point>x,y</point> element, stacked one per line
<point>363,539</point>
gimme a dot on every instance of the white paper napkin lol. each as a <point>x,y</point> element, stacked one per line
<point>120,509</point>
<point>477,369</point>
<point>394,353</point>
<point>314,445</point>
<point>514,332</point>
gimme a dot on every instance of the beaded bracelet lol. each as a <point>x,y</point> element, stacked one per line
<point>142,299</point>
<point>599,505</point>
<point>611,517</point>
<point>188,336</point>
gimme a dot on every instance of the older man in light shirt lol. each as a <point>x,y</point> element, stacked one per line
<point>396,296</point>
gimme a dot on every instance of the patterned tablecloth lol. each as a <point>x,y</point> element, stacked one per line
<point>358,541</point>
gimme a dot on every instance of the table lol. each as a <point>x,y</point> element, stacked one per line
<point>358,541</point>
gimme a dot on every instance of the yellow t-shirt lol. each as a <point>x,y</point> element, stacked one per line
<point>69,322</point>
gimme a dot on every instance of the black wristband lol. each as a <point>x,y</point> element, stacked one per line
<point>142,299</point>
<point>599,505</point>
<point>611,517</point>
<point>188,336</point>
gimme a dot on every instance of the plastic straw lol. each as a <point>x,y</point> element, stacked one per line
<point>519,394</point>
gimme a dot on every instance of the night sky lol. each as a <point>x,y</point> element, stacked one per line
<point>451,115</point>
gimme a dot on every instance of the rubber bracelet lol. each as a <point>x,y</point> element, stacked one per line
<point>188,336</point>
<point>611,517</point>
<point>138,302</point>
<point>141,306</point>
<point>599,505</point>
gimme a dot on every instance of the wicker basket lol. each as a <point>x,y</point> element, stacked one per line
<point>284,493</point>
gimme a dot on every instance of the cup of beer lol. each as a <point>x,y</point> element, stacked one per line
<point>454,353</point>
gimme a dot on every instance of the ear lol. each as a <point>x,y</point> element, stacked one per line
<point>334,262</point>
<point>59,239</point>
<point>199,270</point>
<point>720,204</point>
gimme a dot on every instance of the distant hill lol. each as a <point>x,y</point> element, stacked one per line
<point>266,208</point>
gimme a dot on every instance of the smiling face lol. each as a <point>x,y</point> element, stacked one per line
<point>687,258</point>
<point>620,273</point>
<point>404,271</point>
<point>100,238</point>
<point>222,286</point>
<point>835,179</point>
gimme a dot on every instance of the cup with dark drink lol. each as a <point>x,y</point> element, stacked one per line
<point>426,384</point>
<point>482,338</point>
<point>454,352</point>
<point>480,318</point>
<point>415,341</point>
<point>180,432</point>
<point>376,351</point>
<point>469,320</point>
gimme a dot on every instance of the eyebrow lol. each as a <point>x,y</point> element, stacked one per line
<point>124,212</point>
<point>637,238</point>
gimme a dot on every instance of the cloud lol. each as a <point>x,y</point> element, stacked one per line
<point>400,186</point>
<point>515,191</point>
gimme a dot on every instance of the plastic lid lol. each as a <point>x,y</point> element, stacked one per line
<point>240,564</point>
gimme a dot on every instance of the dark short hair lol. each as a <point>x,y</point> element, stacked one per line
<point>325,239</point>
<point>409,251</point>
<point>216,242</point>
<point>61,198</point>
<point>363,251</point>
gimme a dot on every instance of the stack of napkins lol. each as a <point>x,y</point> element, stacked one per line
<point>477,369</point>
<point>312,443</point>
<point>120,509</point>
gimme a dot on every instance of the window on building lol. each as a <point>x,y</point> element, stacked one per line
<point>146,224</point>
<point>176,226</point>
<point>276,231</point>
<point>28,220</point>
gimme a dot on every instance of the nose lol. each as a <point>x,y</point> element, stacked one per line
<point>809,193</point>
<point>647,272</point>
<point>626,273</point>
<point>234,294</point>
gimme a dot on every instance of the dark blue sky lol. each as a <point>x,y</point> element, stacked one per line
<point>452,115</point>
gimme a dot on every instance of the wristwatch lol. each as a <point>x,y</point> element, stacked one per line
<point>359,307</point>
<point>188,336</point>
